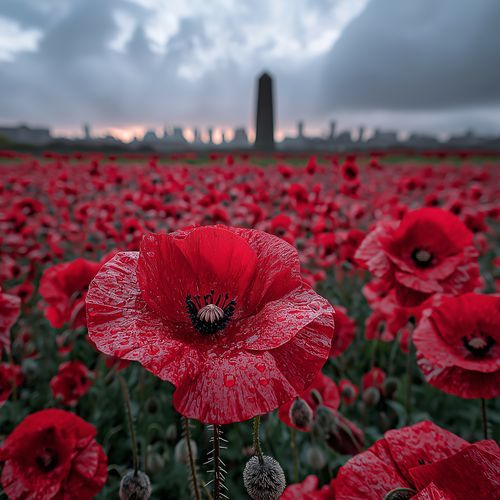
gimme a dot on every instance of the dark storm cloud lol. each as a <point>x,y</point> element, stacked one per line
<point>420,55</point>
<point>395,57</point>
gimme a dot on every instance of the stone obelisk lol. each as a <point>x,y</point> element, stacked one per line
<point>264,118</point>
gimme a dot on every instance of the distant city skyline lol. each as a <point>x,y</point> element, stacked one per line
<point>128,65</point>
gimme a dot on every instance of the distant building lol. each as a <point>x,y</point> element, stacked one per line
<point>300,129</point>
<point>150,137</point>
<point>26,135</point>
<point>240,139</point>
<point>264,116</point>
<point>178,136</point>
<point>87,135</point>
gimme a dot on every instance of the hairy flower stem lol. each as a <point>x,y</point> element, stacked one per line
<point>295,451</point>
<point>217,459</point>
<point>128,411</point>
<point>256,438</point>
<point>409,377</point>
<point>194,477</point>
<point>484,415</point>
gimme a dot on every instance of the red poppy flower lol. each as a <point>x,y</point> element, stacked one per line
<point>222,313</point>
<point>10,306</point>
<point>430,251</point>
<point>373,378</point>
<point>432,492</point>
<point>71,382</point>
<point>10,376</point>
<point>458,346</point>
<point>64,286</point>
<point>390,462</point>
<point>52,454</point>
<point>345,331</point>
<point>323,391</point>
<point>308,490</point>
<point>471,473</point>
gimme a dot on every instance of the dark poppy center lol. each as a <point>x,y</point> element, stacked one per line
<point>422,257</point>
<point>478,344</point>
<point>210,313</point>
<point>47,460</point>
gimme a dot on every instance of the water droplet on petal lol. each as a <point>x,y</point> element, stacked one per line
<point>263,381</point>
<point>152,349</point>
<point>229,380</point>
<point>261,367</point>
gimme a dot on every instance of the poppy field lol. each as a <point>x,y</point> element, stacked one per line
<point>246,326</point>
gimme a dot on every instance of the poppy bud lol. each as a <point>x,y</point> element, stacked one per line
<point>154,462</point>
<point>315,457</point>
<point>264,481</point>
<point>324,422</point>
<point>171,434</point>
<point>135,486</point>
<point>301,414</point>
<point>390,386</point>
<point>348,392</point>
<point>371,396</point>
<point>181,453</point>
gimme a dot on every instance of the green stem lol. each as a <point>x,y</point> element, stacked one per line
<point>217,471</point>
<point>484,416</point>
<point>295,451</point>
<point>373,354</point>
<point>256,438</point>
<point>192,465</point>
<point>128,411</point>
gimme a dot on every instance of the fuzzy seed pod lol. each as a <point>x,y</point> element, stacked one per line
<point>264,481</point>
<point>371,396</point>
<point>301,414</point>
<point>315,457</point>
<point>181,453</point>
<point>135,486</point>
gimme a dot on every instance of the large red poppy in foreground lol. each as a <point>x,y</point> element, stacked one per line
<point>430,251</point>
<point>458,346</point>
<point>222,313</point>
<point>52,454</point>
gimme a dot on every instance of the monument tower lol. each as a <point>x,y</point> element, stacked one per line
<point>264,118</point>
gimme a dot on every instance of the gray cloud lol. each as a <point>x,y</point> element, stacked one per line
<point>421,55</point>
<point>391,65</point>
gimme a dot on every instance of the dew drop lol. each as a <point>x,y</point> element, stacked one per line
<point>263,381</point>
<point>229,380</point>
<point>261,367</point>
<point>153,350</point>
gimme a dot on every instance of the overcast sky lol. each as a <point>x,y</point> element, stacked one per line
<point>127,65</point>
